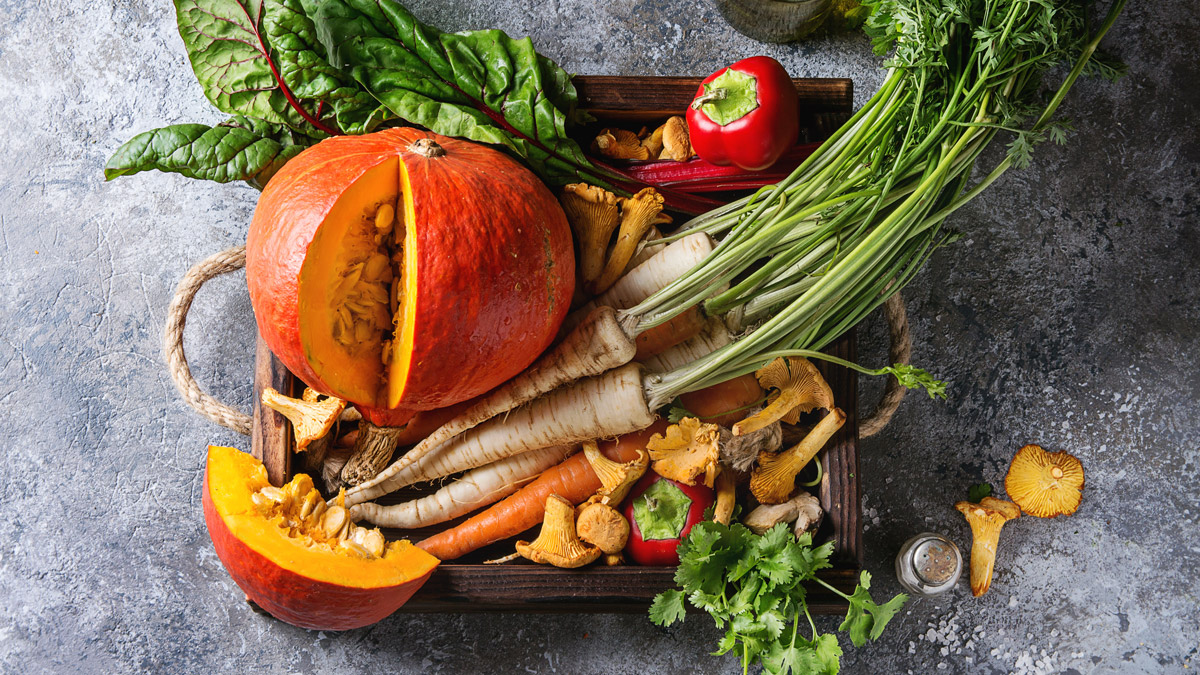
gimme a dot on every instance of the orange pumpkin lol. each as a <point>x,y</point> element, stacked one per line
<point>406,269</point>
<point>301,572</point>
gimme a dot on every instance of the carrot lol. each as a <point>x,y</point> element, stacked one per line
<point>712,337</point>
<point>724,403</point>
<point>662,337</point>
<point>605,406</point>
<point>572,480</point>
<point>478,487</point>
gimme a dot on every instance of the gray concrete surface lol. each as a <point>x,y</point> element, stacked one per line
<point>1069,316</point>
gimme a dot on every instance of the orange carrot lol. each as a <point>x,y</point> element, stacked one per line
<point>656,340</point>
<point>572,480</point>
<point>724,403</point>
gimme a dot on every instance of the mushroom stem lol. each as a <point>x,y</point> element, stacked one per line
<point>773,480</point>
<point>726,495</point>
<point>986,519</point>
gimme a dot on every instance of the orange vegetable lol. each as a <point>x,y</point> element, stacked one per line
<point>661,338</point>
<point>573,480</point>
<point>724,403</point>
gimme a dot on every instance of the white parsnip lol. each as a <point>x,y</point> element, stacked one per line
<point>649,277</point>
<point>478,487</point>
<point>598,407</point>
<point>714,336</point>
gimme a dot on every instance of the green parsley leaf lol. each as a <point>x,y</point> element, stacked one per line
<point>668,607</point>
<point>865,619</point>
<point>978,492</point>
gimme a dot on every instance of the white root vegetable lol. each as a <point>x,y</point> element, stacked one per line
<point>714,336</point>
<point>649,277</point>
<point>598,407</point>
<point>646,251</point>
<point>477,488</point>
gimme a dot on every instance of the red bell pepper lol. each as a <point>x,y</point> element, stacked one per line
<point>746,114</point>
<point>661,512</point>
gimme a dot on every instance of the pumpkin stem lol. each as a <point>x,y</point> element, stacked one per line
<point>427,147</point>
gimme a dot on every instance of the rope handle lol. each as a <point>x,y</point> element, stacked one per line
<point>234,259</point>
<point>229,260</point>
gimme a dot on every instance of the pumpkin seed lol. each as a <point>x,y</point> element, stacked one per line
<point>374,542</point>
<point>334,522</point>
<point>309,503</point>
<point>385,217</point>
<point>273,493</point>
<point>377,267</point>
<point>348,546</point>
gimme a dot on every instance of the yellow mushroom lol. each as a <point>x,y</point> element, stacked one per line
<point>653,142</point>
<point>311,417</point>
<point>639,214</point>
<point>619,144</point>
<point>688,451</point>
<point>726,496</point>
<point>797,388</point>
<point>677,144</point>
<point>986,519</point>
<point>1044,484</point>
<point>593,215</point>
<point>558,544</point>
<point>603,526</point>
<point>616,479</point>
<point>774,476</point>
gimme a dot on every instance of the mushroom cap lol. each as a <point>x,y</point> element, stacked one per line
<point>677,144</point>
<point>1045,484</point>
<point>603,526</point>
<point>687,451</point>
<point>310,416</point>
<point>796,387</point>
<point>593,214</point>
<point>616,479</point>
<point>619,144</point>
<point>989,509</point>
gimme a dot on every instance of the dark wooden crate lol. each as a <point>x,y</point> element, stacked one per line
<point>467,585</point>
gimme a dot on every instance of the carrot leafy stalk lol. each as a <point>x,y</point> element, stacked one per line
<point>753,587</point>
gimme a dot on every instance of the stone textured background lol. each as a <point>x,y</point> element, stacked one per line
<point>1069,316</point>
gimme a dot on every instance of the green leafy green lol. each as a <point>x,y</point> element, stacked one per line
<point>753,588</point>
<point>977,492</point>
<point>479,85</point>
<point>232,61</point>
<point>238,149</point>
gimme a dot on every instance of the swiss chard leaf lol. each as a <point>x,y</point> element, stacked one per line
<point>238,149</point>
<point>233,63</point>
<point>479,85</point>
<point>301,66</point>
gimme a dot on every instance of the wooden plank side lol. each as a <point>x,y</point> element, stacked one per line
<point>601,94</point>
<point>271,434</point>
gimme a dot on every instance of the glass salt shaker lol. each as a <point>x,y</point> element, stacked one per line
<point>928,564</point>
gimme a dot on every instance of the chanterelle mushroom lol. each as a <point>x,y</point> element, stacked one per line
<point>1044,484</point>
<point>603,526</point>
<point>803,511</point>
<point>558,544</point>
<point>619,144</point>
<point>639,213</point>
<point>593,215</point>
<point>677,145</point>
<point>797,388</point>
<point>774,477</point>
<point>986,519</point>
<point>311,416</point>
<point>616,479</point>
<point>688,451</point>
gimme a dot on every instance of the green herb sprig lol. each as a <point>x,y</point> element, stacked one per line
<point>753,588</point>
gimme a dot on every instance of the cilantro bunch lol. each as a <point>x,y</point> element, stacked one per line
<point>753,587</point>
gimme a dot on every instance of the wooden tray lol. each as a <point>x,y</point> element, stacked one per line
<point>468,586</point>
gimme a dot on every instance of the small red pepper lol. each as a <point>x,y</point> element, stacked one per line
<point>661,512</point>
<point>746,114</point>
